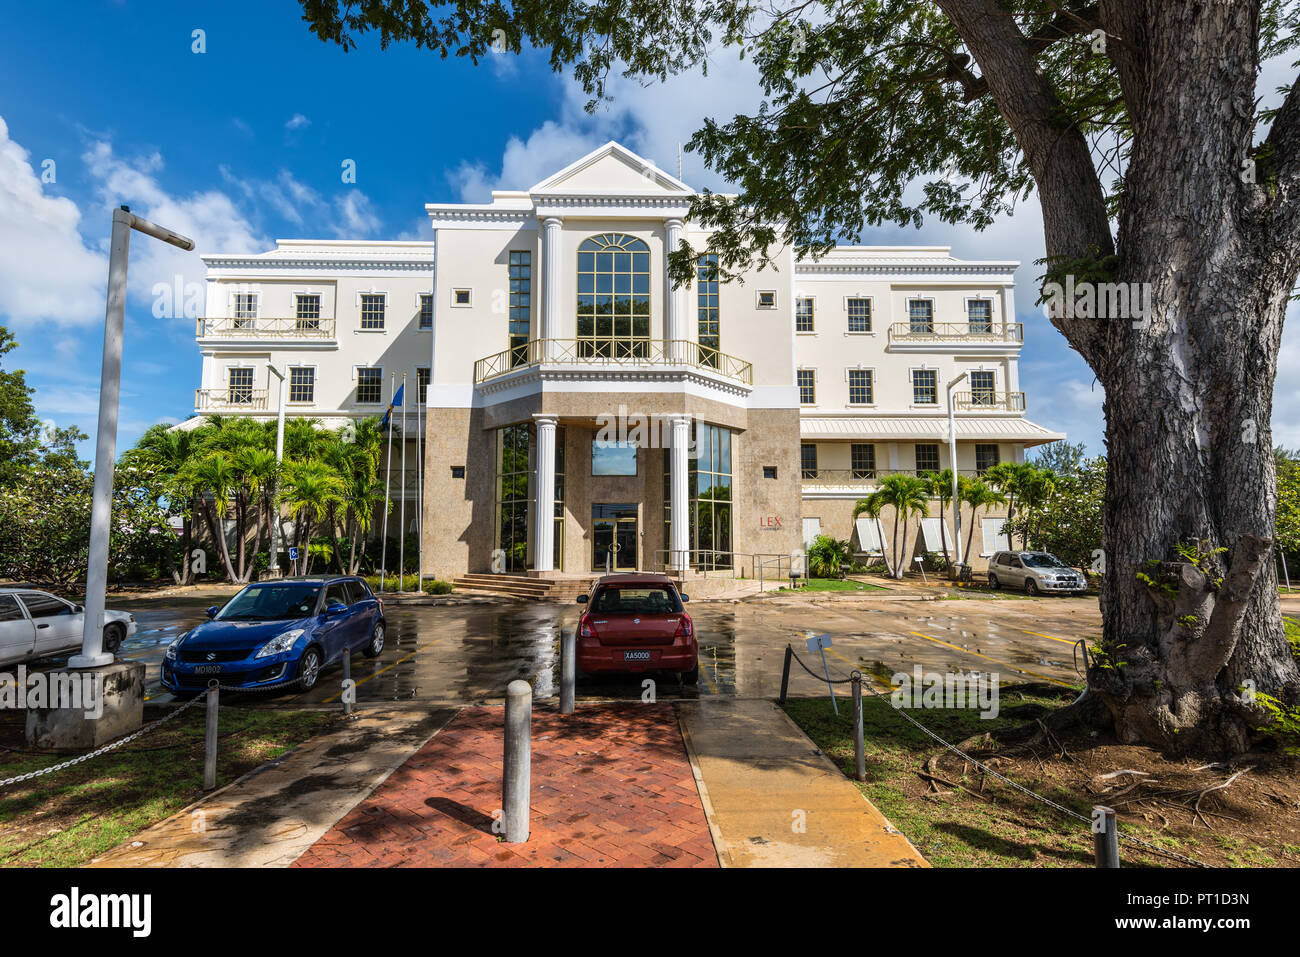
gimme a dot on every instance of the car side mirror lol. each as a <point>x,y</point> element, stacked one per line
<point>79,608</point>
<point>336,608</point>
<point>212,612</point>
<point>685,598</point>
<point>581,599</point>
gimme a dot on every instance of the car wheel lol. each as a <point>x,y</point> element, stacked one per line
<point>692,677</point>
<point>376,646</point>
<point>993,582</point>
<point>1031,587</point>
<point>308,669</point>
<point>113,635</point>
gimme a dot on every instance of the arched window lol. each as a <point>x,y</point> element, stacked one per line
<point>613,297</point>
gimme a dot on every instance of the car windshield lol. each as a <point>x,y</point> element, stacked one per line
<point>1044,561</point>
<point>271,602</point>
<point>635,599</point>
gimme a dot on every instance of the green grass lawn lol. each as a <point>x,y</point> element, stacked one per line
<point>835,584</point>
<point>1001,828</point>
<point>69,817</point>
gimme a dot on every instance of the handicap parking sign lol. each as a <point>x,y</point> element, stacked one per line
<point>293,554</point>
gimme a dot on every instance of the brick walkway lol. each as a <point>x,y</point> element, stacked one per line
<point>612,786</point>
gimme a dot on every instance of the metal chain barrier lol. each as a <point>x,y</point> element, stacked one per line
<point>106,748</point>
<point>1002,777</point>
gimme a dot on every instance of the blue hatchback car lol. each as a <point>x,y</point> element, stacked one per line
<point>278,631</point>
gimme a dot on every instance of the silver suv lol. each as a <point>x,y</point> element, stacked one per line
<point>1035,572</point>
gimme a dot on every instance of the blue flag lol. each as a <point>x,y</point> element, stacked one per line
<point>397,401</point>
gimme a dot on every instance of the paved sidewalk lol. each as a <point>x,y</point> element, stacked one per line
<point>612,786</point>
<point>268,817</point>
<point>773,800</point>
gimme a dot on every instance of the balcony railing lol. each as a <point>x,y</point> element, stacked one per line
<point>956,332</point>
<point>988,401</point>
<point>836,478</point>
<point>613,354</point>
<point>265,327</point>
<point>231,399</point>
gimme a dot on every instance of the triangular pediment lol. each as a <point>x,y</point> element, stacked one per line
<point>611,169</point>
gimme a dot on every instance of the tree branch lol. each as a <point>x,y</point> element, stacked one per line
<point>1282,151</point>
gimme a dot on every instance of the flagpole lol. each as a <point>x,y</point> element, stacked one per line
<point>388,471</point>
<point>401,532</point>
<point>419,484</point>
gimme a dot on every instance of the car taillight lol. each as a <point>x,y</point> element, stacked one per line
<point>685,628</point>
<point>584,627</point>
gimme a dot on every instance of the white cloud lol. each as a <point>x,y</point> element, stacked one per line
<point>297,122</point>
<point>356,214</point>
<point>46,270</point>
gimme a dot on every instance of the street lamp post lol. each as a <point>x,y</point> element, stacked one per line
<point>279,457</point>
<point>101,509</point>
<point>952,462</point>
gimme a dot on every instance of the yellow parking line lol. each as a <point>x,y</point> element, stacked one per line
<point>1039,634</point>
<point>335,697</point>
<point>967,651</point>
<point>706,671</point>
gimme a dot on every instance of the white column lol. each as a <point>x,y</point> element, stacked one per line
<point>678,472</point>
<point>544,519</point>
<point>674,319</point>
<point>550,281</point>
<point>1009,317</point>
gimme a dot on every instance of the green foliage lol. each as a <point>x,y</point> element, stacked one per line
<point>1283,723</point>
<point>907,497</point>
<point>1069,521</point>
<point>826,554</point>
<point>1287,521</point>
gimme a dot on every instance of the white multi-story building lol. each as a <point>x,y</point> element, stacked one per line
<point>580,413</point>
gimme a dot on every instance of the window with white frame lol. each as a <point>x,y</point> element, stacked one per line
<point>766,299</point>
<point>370,385</point>
<point>925,386</point>
<point>862,389</point>
<point>927,457</point>
<point>307,311</point>
<point>807,380</point>
<point>982,390</point>
<point>239,383</point>
<point>426,310</point>
<point>979,315</point>
<point>862,459</point>
<point>986,456</point>
<point>422,383</point>
<point>803,314</point>
<point>302,384</point>
<point>920,315</point>
<point>808,460</point>
<point>372,310</point>
<point>462,297</point>
<point>859,309</point>
<point>244,310</point>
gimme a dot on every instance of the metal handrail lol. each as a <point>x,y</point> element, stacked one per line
<point>988,399</point>
<point>264,327</point>
<point>957,332</point>
<point>230,398</point>
<point>732,564</point>
<point>614,353</point>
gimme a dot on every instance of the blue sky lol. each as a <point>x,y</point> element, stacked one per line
<point>243,144</point>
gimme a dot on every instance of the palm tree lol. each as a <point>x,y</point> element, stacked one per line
<point>939,485</point>
<point>166,452</point>
<point>977,495</point>
<point>1036,488</point>
<point>311,490</point>
<point>1009,478</point>
<point>259,470</point>
<point>906,495</point>
<point>213,477</point>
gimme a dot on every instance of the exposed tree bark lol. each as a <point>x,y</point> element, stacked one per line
<point>1188,389</point>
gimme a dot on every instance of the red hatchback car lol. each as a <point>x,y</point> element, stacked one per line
<point>636,623</point>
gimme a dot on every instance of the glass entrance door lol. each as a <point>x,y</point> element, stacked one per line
<point>614,537</point>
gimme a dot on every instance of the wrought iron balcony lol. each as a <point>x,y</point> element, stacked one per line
<point>230,399</point>
<point>265,327</point>
<point>841,478</point>
<point>613,354</point>
<point>1013,332</point>
<point>988,401</point>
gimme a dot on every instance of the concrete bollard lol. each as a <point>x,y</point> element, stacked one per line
<point>785,674</point>
<point>516,785</point>
<point>210,741</point>
<point>568,668</point>
<point>859,746</point>
<point>347,676</point>
<point>1105,836</point>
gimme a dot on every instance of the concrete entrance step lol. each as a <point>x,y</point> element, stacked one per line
<point>773,800</point>
<point>525,586</point>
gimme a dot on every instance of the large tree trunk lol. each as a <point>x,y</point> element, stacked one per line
<point>1188,386</point>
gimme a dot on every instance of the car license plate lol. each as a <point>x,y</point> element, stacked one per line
<point>207,669</point>
<point>636,656</point>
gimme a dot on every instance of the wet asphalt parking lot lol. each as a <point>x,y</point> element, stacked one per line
<point>465,653</point>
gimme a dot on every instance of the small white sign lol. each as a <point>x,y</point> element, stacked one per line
<point>819,642</point>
